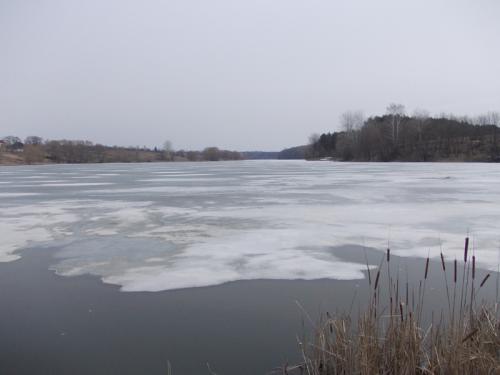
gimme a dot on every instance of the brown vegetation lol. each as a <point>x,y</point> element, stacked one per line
<point>389,336</point>
<point>35,151</point>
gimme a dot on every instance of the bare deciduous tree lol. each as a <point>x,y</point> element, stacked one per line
<point>33,153</point>
<point>168,150</point>
<point>489,118</point>
<point>421,114</point>
<point>352,120</point>
<point>493,118</point>
<point>33,140</point>
<point>421,117</point>
<point>397,112</point>
<point>211,154</point>
<point>11,140</point>
<point>396,109</point>
<point>313,138</point>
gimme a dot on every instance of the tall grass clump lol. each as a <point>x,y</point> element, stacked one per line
<point>395,334</point>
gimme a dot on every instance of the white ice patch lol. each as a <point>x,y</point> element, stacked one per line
<point>28,224</point>
<point>180,174</point>
<point>77,184</point>
<point>168,189</point>
<point>15,195</point>
<point>263,254</point>
<point>187,179</point>
<point>30,177</point>
<point>86,177</point>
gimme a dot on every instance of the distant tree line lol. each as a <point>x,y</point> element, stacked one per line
<point>417,137</point>
<point>298,152</point>
<point>35,150</point>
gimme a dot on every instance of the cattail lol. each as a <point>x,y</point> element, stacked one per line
<point>466,249</point>
<point>388,255</point>
<point>470,335</point>
<point>376,279</point>
<point>401,311</point>
<point>473,267</point>
<point>455,272</point>
<point>442,262</point>
<point>426,268</point>
<point>484,280</point>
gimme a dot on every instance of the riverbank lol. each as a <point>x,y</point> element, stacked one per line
<point>84,152</point>
<point>9,158</point>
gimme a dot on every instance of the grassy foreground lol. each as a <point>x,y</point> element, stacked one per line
<point>390,337</point>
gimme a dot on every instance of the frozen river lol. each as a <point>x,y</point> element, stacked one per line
<point>152,227</point>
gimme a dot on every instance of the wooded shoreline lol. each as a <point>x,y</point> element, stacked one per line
<point>15,152</point>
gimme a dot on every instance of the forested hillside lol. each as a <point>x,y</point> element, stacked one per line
<point>398,137</point>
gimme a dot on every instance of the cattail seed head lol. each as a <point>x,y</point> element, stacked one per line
<point>388,255</point>
<point>455,272</point>
<point>466,249</point>
<point>473,267</point>
<point>442,262</point>
<point>426,268</point>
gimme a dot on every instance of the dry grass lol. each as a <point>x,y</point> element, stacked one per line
<point>389,337</point>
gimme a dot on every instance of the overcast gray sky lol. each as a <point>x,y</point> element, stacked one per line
<point>245,75</point>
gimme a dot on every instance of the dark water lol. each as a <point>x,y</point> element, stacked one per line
<point>78,325</point>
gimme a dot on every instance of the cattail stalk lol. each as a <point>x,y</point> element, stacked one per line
<point>466,249</point>
<point>443,266</point>
<point>376,279</point>
<point>454,290</point>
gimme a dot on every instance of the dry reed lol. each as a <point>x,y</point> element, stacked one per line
<point>392,340</point>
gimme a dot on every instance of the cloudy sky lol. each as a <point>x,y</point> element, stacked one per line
<point>245,75</point>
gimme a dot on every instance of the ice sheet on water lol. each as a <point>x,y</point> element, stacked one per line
<point>70,184</point>
<point>13,195</point>
<point>220,222</point>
